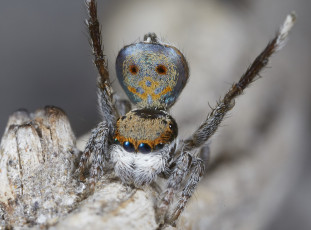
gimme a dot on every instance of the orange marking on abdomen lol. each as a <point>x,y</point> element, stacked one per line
<point>149,90</point>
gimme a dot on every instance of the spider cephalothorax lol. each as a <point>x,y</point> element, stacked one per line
<point>140,145</point>
<point>145,130</point>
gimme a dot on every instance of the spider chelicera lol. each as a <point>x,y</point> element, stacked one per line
<point>142,144</point>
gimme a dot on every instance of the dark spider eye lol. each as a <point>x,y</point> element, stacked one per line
<point>159,146</point>
<point>161,69</point>
<point>133,69</point>
<point>128,146</point>
<point>144,148</point>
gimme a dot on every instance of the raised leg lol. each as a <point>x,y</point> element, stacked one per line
<point>211,124</point>
<point>105,92</point>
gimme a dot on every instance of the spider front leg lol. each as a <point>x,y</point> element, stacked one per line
<point>105,91</point>
<point>186,173</point>
<point>98,142</point>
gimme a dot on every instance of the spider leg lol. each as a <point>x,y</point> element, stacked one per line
<point>213,120</point>
<point>105,91</point>
<point>97,147</point>
<point>196,173</point>
<point>188,168</point>
<point>174,183</point>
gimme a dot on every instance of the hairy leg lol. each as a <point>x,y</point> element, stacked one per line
<point>213,120</point>
<point>174,183</point>
<point>187,172</point>
<point>105,92</point>
<point>97,147</point>
<point>195,174</point>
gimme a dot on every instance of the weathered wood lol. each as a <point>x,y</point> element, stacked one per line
<point>37,155</point>
<point>38,187</point>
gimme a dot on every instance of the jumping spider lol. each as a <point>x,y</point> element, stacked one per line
<point>140,145</point>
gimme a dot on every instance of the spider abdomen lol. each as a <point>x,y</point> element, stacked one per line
<point>152,73</point>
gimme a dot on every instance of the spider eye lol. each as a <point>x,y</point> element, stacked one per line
<point>159,146</point>
<point>133,69</point>
<point>144,148</point>
<point>128,146</point>
<point>161,69</point>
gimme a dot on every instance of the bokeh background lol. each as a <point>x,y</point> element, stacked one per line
<point>45,59</point>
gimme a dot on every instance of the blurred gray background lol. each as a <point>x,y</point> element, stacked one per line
<point>45,59</point>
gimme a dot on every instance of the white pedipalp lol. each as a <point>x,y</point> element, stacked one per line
<point>123,163</point>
